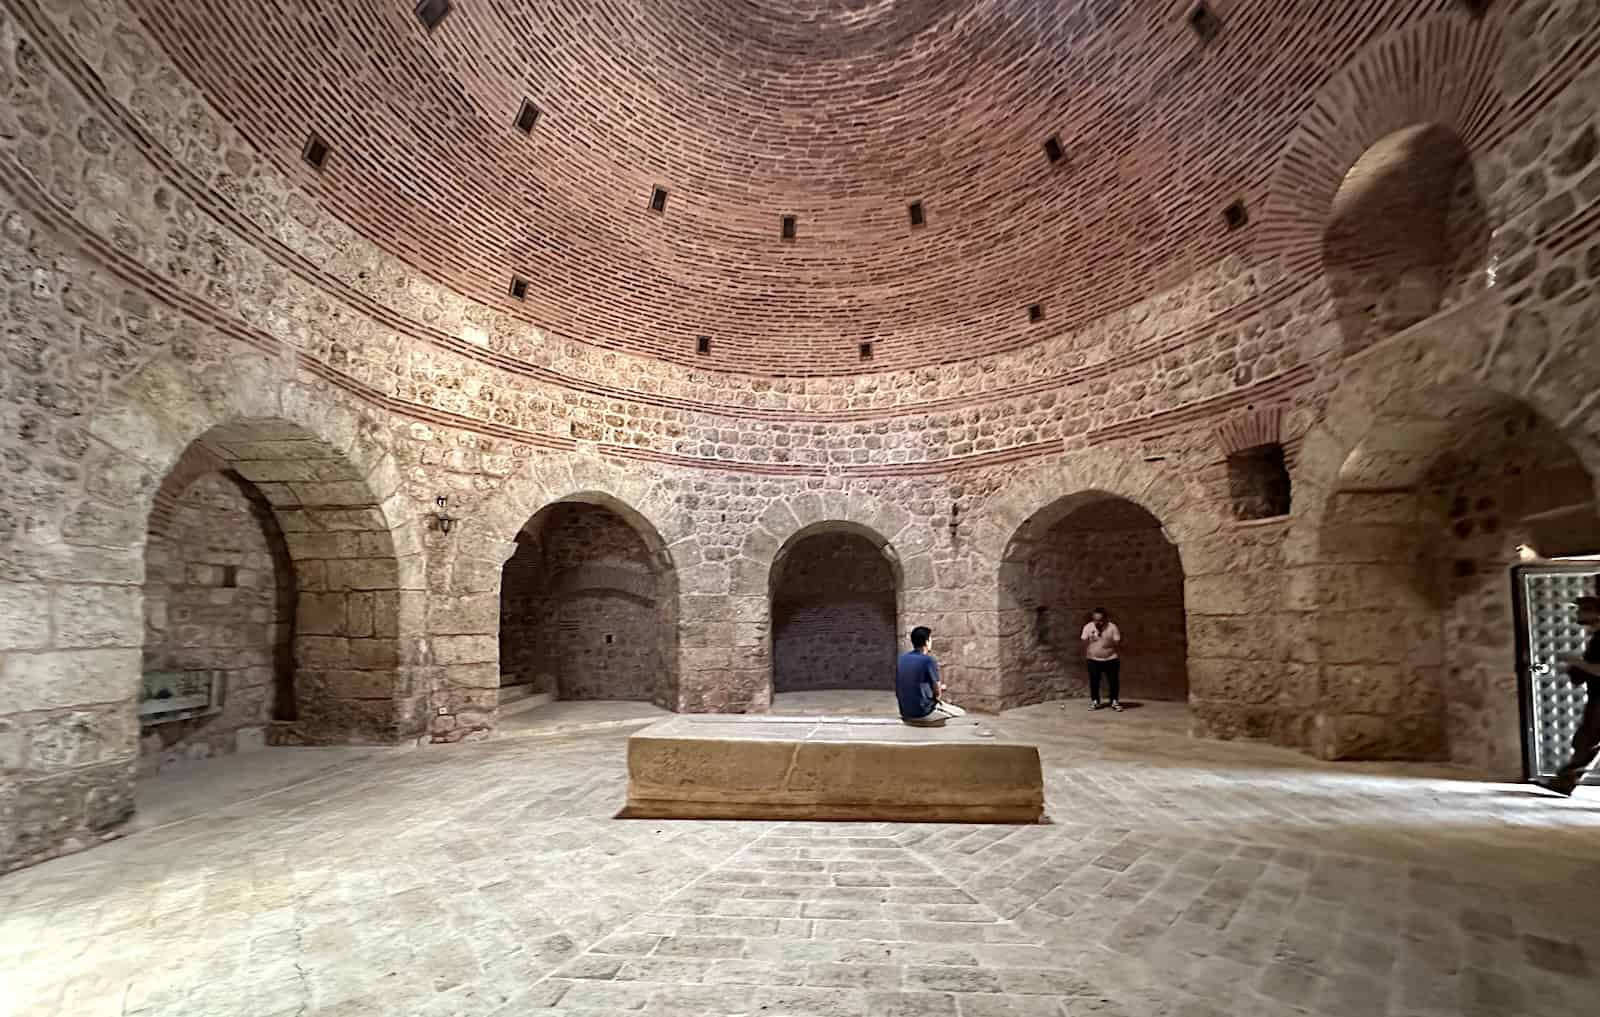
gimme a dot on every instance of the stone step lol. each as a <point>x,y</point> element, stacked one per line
<point>515,699</point>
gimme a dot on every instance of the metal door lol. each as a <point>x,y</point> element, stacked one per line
<point>1547,626</point>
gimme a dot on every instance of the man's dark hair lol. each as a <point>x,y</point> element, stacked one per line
<point>919,636</point>
<point>1101,610</point>
<point>1590,604</point>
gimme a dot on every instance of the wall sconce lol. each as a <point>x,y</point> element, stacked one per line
<point>445,520</point>
<point>955,517</point>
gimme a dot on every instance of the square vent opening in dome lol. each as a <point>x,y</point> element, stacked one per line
<point>1205,22</point>
<point>1035,312</point>
<point>519,288</point>
<point>918,217</point>
<point>315,153</point>
<point>865,351</point>
<point>658,200</point>
<point>431,12</point>
<point>788,227</point>
<point>702,345</point>
<point>1236,216</point>
<point>527,117</point>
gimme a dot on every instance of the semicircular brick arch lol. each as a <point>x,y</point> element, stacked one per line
<point>1442,70</point>
<point>1352,532</point>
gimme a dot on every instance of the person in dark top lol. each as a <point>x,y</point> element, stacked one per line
<point>1582,669</point>
<point>917,685</point>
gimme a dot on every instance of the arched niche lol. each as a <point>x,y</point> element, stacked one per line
<point>588,606</point>
<point>834,590</point>
<point>1083,551</point>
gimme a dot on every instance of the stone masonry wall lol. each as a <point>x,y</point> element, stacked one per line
<point>833,616</point>
<point>526,623</point>
<point>1519,485</point>
<point>219,596</point>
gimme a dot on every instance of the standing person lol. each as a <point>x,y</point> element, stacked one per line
<point>917,685</point>
<point>1582,669</point>
<point>1101,637</point>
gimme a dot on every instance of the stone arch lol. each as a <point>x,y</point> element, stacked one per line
<point>1034,502</point>
<point>1440,71</point>
<point>748,601</point>
<point>1408,520</point>
<point>1090,549</point>
<point>584,597</point>
<point>831,627</point>
<point>464,612</point>
<point>85,566</point>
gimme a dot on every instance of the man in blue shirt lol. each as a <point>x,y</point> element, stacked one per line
<point>917,686</point>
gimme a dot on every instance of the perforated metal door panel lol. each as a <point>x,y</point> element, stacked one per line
<point>1552,704</point>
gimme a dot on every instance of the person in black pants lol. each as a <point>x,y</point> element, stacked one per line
<point>1101,638</point>
<point>1582,669</point>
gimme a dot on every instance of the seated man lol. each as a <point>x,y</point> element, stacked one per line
<point>916,684</point>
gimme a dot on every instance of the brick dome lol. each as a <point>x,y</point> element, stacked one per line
<point>841,113</point>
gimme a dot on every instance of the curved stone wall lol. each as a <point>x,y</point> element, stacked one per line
<point>165,276</point>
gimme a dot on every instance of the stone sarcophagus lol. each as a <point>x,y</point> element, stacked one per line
<point>830,768</point>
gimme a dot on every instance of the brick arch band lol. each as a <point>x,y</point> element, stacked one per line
<point>1440,71</point>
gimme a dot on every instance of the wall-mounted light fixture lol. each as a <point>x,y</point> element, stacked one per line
<point>955,517</point>
<point>442,517</point>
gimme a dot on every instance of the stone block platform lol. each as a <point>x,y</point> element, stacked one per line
<point>831,768</point>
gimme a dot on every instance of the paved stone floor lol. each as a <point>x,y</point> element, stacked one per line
<point>1177,877</point>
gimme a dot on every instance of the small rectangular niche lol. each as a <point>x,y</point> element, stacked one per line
<point>658,200</point>
<point>1035,312</point>
<point>519,288</point>
<point>527,117</point>
<point>1204,21</point>
<point>1236,216</point>
<point>230,576</point>
<point>1041,625</point>
<point>866,351</point>
<point>1258,483</point>
<point>918,218</point>
<point>315,153</point>
<point>702,345</point>
<point>1053,150</point>
<point>788,227</point>
<point>431,12</point>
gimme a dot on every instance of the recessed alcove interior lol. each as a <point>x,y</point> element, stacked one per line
<point>1087,551</point>
<point>1407,234</point>
<point>834,604</point>
<point>588,608</point>
<point>1447,491</point>
<point>271,599</point>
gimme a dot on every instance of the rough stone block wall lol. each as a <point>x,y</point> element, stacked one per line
<point>833,616</point>
<point>580,612</point>
<point>527,624</point>
<point>219,595</point>
<point>1521,486</point>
